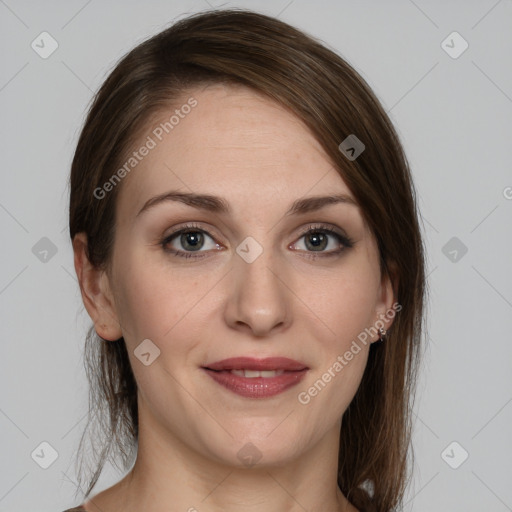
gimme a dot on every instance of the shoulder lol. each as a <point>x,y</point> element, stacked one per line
<point>76,509</point>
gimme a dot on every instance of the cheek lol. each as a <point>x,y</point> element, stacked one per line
<point>152,300</point>
<point>344,303</point>
<point>163,308</point>
<point>347,308</point>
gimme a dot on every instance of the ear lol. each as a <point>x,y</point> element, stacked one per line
<point>387,306</point>
<point>96,292</point>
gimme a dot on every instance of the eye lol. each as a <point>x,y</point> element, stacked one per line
<point>189,240</point>
<point>319,239</point>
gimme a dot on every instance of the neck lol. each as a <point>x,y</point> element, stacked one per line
<point>169,475</point>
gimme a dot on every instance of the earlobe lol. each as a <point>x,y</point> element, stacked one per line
<point>96,292</point>
<point>387,304</point>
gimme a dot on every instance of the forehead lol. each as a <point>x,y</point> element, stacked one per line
<point>234,143</point>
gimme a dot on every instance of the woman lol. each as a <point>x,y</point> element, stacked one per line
<point>247,245</point>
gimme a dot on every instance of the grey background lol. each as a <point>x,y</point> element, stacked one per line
<point>454,116</point>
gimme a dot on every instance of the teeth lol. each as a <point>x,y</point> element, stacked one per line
<point>251,374</point>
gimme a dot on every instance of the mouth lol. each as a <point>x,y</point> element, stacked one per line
<point>257,378</point>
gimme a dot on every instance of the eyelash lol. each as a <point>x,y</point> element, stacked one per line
<point>192,228</point>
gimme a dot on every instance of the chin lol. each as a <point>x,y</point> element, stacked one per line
<point>258,447</point>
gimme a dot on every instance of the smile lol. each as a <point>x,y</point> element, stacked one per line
<point>257,378</point>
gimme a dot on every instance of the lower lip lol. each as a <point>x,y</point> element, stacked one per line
<point>257,387</point>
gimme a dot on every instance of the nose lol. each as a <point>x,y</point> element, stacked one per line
<point>258,300</point>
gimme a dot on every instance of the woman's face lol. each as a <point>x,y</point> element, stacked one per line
<point>245,282</point>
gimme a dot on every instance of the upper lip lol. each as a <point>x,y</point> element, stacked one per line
<point>250,363</point>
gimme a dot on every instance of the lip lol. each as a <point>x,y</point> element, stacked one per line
<point>251,363</point>
<point>257,387</point>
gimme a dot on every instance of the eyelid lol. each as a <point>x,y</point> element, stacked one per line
<point>322,226</point>
<point>189,226</point>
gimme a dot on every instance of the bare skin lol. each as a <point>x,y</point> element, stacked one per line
<point>294,300</point>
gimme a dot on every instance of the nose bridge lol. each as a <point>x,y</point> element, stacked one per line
<point>258,297</point>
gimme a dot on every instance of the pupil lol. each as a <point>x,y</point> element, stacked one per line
<point>316,240</point>
<point>192,240</point>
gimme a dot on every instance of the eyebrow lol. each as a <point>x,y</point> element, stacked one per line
<point>216,204</point>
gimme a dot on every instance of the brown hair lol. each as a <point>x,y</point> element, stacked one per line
<point>334,101</point>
